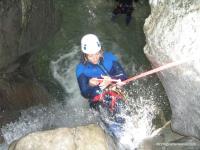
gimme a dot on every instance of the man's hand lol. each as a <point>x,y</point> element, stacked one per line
<point>93,82</point>
<point>106,81</point>
<point>120,83</point>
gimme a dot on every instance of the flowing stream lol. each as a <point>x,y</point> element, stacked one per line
<point>146,97</point>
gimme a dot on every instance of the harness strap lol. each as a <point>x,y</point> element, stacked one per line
<point>114,98</point>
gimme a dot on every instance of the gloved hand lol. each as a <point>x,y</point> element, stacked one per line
<point>106,81</point>
<point>120,83</point>
<point>93,82</point>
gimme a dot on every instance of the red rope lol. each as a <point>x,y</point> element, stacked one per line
<point>164,67</point>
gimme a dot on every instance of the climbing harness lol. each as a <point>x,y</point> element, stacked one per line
<point>114,95</point>
<point>110,98</point>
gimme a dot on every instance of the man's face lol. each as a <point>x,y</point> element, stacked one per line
<point>94,58</point>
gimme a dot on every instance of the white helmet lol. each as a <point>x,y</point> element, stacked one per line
<point>90,44</point>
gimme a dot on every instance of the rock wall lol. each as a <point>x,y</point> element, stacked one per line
<point>172,33</point>
<point>25,26</point>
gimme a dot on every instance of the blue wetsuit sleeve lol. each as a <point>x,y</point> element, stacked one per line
<point>87,91</point>
<point>117,72</point>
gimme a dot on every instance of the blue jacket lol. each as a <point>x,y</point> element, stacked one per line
<point>108,66</point>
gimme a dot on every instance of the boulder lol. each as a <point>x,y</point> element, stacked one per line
<point>88,137</point>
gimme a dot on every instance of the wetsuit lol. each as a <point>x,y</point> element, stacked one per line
<point>108,66</point>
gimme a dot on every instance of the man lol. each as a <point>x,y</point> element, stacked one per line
<point>96,72</point>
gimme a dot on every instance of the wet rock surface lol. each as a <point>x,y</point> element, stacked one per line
<point>25,26</point>
<point>165,138</point>
<point>172,34</point>
<point>88,137</point>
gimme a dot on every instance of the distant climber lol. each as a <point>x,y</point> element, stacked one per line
<point>123,7</point>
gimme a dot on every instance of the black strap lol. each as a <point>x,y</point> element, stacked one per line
<point>102,67</point>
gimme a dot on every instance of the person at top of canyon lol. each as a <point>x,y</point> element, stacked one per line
<point>123,7</point>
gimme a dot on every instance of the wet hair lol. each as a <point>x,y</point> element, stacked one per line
<point>84,58</point>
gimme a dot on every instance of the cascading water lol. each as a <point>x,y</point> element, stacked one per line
<point>141,107</point>
<point>72,112</point>
<point>144,96</point>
